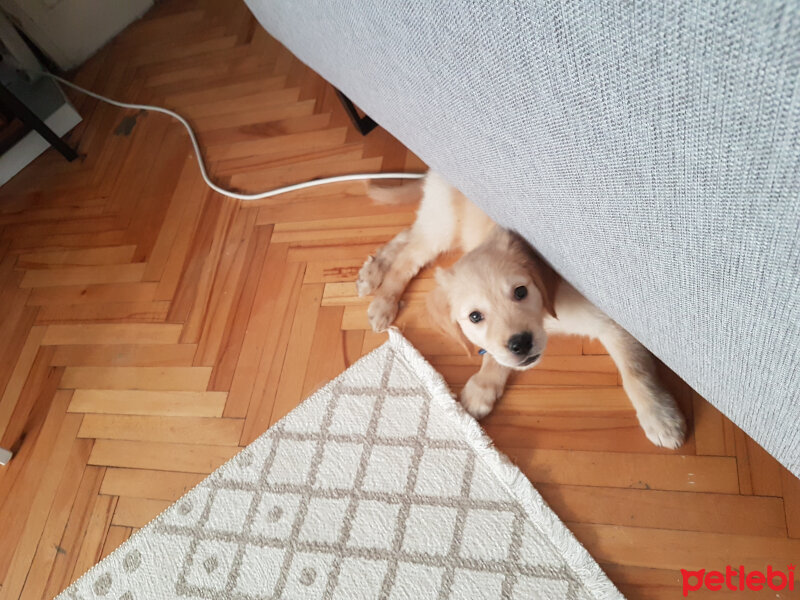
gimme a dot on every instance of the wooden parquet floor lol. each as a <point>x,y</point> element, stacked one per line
<point>150,328</point>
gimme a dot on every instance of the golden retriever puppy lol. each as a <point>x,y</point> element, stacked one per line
<point>504,298</point>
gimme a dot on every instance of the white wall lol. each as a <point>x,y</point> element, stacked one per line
<point>70,31</point>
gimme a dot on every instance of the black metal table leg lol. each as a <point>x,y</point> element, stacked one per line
<point>11,103</point>
<point>364,124</point>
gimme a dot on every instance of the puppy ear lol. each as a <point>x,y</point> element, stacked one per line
<point>440,313</point>
<point>543,276</point>
<point>546,280</point>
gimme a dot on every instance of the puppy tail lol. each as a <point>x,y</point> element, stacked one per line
<point>399,194</point>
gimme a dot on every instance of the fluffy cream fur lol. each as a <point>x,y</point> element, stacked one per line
<point>496,262</point>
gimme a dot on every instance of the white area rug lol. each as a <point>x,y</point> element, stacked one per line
<point>377,486</point>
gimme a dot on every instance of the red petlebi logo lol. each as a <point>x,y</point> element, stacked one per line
<point>738,579</point>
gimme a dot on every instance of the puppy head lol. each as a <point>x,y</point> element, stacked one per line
<point>496,297</point>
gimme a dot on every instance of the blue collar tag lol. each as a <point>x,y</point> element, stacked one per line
<point>481,351</point>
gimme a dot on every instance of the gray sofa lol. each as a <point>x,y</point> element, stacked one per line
<point>651,151</point>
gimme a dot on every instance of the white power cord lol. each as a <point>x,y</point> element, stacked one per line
<point>211,184</point>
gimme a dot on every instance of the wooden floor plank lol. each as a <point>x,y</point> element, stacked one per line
<point>687,511</point>
<point>137,512</point>
<point>205,262</point>
<point>238,319</point>
<point>172,270</point>
<point>150,428</point>
<point>124,355</point>
<point>94,537</point>
<point>670,549</point>
<point>210,331</point>
<point>327,356</point>
<point>104,274</point>
<point>189,379</point>
<point>40,507</point>
<point>115,537</point>
<point>38,451</point>
<point>791,500</point>
<point>589,433</point>
<point>189,458</point>
<point>665,584</point>
<point>32,405</point>
<point>568,401</point>
<point>24,363</point>
<point>67,550</point>
<point>144,483</point>
<point>152,327</point>
<point>148,402</point>
<point>179,211</point>
<point>93,294</point>
<point>17,346</point>
<point>301,336</point>
<point>129,312</point>
<point>114,255</point>
<point>272,300</point>
<point>765,471</point>
<point>627,470</point>
<point>48,547</point>
<point>709,428</point>
<point>122,333</point>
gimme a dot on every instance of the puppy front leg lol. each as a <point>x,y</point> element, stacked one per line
<point>417,251</point>
<point>484,388</point>
<point>658,413</point>
<point>375,267</point>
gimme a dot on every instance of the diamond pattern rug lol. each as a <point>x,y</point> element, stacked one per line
<point>377,486</point>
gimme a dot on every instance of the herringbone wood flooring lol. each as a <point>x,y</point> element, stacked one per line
<point>151,328</point>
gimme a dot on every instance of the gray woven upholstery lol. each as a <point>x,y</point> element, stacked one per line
<point>650,150</point>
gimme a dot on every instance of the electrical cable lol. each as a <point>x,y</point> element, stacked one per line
<point>201,164</point>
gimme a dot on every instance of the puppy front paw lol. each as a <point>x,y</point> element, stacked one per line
<point>477,398</point>
<point>369,277</point>
<point>664,425</point>
<point>381,313</point>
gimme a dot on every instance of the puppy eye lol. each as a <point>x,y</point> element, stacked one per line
<point>520,292</point>
<point>475,316</point>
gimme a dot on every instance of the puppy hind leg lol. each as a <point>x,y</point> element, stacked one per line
<point>375,267</point>
<point>656,409</point>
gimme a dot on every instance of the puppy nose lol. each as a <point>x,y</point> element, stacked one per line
<point>521,343</point>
